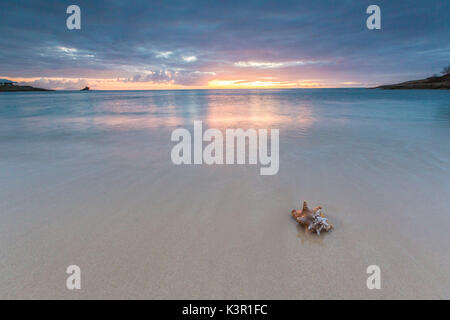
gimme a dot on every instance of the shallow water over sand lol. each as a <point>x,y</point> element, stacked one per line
<point>86,178</point>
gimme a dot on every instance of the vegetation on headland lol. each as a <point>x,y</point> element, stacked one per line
<point>434,82</point>
<point>14,88</point>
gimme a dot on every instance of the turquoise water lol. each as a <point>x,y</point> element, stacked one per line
<point>78,112</point>
<point>412,121</point>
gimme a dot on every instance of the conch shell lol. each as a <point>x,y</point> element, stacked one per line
<point>314,219</point>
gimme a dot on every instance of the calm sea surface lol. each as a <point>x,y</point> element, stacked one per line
<point>83,113</point>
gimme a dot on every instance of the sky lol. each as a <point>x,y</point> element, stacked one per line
<point>126,45</point>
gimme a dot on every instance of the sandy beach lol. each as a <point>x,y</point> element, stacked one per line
<point>91,183</point>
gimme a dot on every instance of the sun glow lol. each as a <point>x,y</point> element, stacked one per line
<point>258,84</point>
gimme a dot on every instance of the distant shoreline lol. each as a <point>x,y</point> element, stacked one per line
<point>435,82</point>
<point>14,88</point>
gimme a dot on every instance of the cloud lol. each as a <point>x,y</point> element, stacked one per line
<point>165,54</point>
<point>235,39</point>
<point>269,65</point>
<point>190,58</point>
<point>60,84</point>
<point>172,77</point>
<point>161,76</point>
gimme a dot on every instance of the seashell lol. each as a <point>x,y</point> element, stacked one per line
<point>313,220</point>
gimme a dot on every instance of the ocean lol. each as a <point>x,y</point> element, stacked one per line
<point>86,178</point>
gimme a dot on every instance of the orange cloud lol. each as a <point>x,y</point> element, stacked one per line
<point>258,84</point>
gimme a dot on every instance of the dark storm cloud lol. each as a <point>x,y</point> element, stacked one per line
<point>186,41</point>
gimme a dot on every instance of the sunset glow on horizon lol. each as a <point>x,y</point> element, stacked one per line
<point>124,84</point>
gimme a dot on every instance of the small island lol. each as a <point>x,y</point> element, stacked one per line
<point>86,89</point>
<point>11,86</point>
<point>434,82</point>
